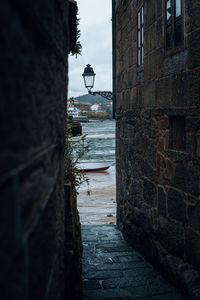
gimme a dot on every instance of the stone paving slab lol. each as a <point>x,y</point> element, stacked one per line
<point>113,270</point>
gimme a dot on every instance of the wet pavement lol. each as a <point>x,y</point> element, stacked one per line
<point>113,270</point>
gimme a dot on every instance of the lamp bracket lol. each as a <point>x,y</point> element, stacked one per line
<point>104,94</point>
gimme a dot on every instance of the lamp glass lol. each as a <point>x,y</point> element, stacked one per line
<point>89,77</point>
<point>89,81</point>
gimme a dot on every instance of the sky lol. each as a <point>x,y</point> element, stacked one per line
<point>96,40</point>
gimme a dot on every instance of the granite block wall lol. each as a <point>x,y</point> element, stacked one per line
<point>34,48</point>
<point>73,246</point>
<point>157,141</point>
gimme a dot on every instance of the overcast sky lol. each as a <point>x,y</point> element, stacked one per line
<point>96,40</point>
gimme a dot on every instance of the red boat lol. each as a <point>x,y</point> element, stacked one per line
<point>94,166</point>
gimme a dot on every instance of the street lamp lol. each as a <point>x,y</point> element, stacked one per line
<point>88,77</point>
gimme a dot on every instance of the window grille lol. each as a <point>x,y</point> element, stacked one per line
<point>140,36</point>
<point>173,24</point>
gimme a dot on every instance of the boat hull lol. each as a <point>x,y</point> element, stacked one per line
<point>93,166</point>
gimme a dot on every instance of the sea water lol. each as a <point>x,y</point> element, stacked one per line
<point>100,138</point>
<point>99,205</point>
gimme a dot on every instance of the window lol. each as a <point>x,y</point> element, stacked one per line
<point>177,132</point>
<point>140,36</point>
<point>173,23</point>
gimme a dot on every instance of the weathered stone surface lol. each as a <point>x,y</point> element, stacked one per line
<point>163,92</point>
<point>193,215</point>
<point>107,294</point>
<point>192,15</point>
<point>158,172</point>
<point>43,262</point>
<point>131,278</point>
<point>176,205</point>
<point>147,170</point>
<point>34,50</point>
<point>149,72</point>
<point>187,179</point>
<point>135,216</point>
<point>192,252</point>
<point>168,297</point>
<point>196,87</point>
<point>159,33</point>
<point>151,8</point>
<point>162,209</point>
<point>193,55</point>
<point>139,76</point>
<point>192,124</point>
<point>149,193</point>
<point>174,64</point>
<point>150,39</point>
<point>131,77</point>
<point>197,148</point>
<point>73,245</point>
<point>159,8</point>
<point>171,235</point>
<point>149,94</point>
<point>91,285</point>
<point>100,275</point>
<point>182,89</point>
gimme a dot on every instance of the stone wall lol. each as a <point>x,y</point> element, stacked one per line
<point>73,246</point>
<point>34,48</point>
<point>158,141</point>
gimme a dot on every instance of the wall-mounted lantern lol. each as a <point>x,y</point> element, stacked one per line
<point>89,76</point>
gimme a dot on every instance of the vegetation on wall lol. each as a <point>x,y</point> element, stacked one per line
<point>75,149</point>
<point>75,45</point>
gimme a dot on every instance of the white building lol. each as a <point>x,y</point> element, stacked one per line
<point>95,107</point>
<point>73,111</point>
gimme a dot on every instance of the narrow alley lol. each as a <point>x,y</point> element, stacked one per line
<point>130,72</point>
<point>113,270</point>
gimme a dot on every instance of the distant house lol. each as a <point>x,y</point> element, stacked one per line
<point>109,105</point>
<point>73,101</point>
<point>72,111</point>
<point>95,107</point>
<point>76,102</point>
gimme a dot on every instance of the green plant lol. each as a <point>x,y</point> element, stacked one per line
<point>75,148</point>
<point>77,48</point>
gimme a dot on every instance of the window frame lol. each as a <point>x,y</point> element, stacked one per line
<point>140,35</point>
<point>174,48</point>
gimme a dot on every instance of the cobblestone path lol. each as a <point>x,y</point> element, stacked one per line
<point>113,270</point>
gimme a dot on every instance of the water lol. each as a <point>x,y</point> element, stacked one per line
<point>98,207</point>
<point>100,139</point>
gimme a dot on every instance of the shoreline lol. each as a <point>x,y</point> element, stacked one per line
<point>99,205</point>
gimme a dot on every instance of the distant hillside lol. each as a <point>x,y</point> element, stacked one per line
<point>92,99</point>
